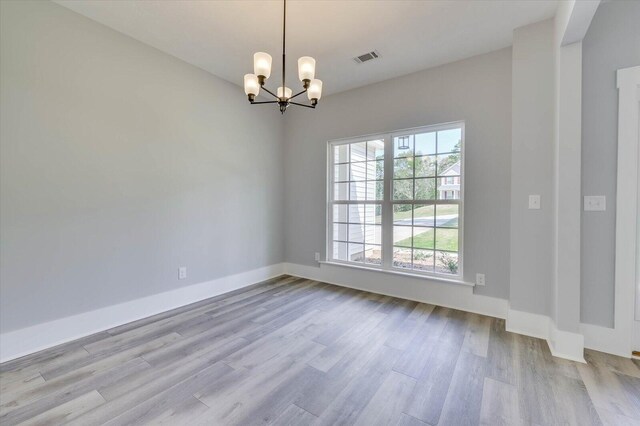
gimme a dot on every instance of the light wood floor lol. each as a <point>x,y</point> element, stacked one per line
<point>298,352</point>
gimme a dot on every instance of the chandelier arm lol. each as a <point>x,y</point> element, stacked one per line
<point>284,33</point>
<point>270,92</point>
<point>264,102</point>
<point>298,94</point>
<point>303,105</point>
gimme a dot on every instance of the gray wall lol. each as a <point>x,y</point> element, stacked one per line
<point>120,163</point>
<point>612,42</point>
<point>477,90</point>
<point>532,168</point>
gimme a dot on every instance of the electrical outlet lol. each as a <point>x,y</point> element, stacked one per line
<point>182,272</point>
<point>479,279</point>
<point>317,257</point>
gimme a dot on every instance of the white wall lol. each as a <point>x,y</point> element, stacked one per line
<point>476,90</point>
<point>612,42</point>
<point>120,163</point>
<point>566,297</point>
<point>533,168</point>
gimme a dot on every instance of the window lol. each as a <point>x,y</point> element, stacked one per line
<point>395,200</point>
<point>358,181</point>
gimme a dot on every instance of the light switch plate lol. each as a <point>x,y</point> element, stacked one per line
<point>534,202</point>
<point>595,203</point>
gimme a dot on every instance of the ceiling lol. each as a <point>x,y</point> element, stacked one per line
<point>221,36</point>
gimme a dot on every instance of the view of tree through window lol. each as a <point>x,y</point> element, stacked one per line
<point>421,193</point>
<point>425,226</point>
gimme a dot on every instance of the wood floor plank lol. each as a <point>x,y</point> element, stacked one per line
<point>51,355</point>
<point>184,414</point>
<point>108,358</point>
<point>389,402</point>
<point>63,413</point>
<point>413,360</point>
<point>607,392</point>
<point>464,396</point>
<point>501,353</point>
<point>407,420</point>
<point>574,404</point>
<point>499,404</point>
<point>20,385</point>
<point>293,351</point>
<point>437,369</point>
<point>294,416</point>
<point>614,363</point>
<point>269,409</point>
<point>149,382</point>
<point>172,354</point>
<point>172,398</point>
<point>433,383</point>
<point>34,403</point>
<point>347,316</point>
<point>537,396</point>
<point>410,327</point>
<point>25,370</point>
<point>476,339</point>
<point>266,388</point>
<point>631,386</point>
<point>348,342</point>
<point>348,404</point>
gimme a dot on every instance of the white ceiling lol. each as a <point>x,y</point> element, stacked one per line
<point>221,36</point>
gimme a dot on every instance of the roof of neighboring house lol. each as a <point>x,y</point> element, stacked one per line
<point>452,170</point>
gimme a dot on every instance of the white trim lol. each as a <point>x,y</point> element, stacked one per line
<point>420,289</point>
<point>626,207</point>
<point>46,335</point>
<point>573,18</point>
<point>565,344</point>
<point>603,339</point>
<point>387,202</point>
<point>528,324</point>
<point>562,344</point>
<point>434,277</point>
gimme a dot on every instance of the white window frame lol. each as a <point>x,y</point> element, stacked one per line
<point>387,202</point>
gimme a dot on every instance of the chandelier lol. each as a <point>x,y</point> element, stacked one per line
<point>262,70</point>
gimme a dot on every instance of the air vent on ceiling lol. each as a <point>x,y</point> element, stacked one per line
<point>369,56</point>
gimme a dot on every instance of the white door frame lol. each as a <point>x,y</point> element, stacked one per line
<point>628,82</point>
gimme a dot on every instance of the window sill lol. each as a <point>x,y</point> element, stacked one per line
<point>426,277</point>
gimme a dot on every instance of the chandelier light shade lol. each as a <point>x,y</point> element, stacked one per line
<point>314,92</point>
<point>286,95</point>
<point>306,68</point>
<point>251,85</point>
<point>262,62</point>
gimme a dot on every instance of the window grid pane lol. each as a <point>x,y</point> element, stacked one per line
<point>425,196</point>
<point>358,176</point>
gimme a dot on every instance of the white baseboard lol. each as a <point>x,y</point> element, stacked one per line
<point>606,339</point>
<point>42,336</point>
<point>528,324</point>
<point>565,344</point>
<point>419,289</point>
<point>562,344</point>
